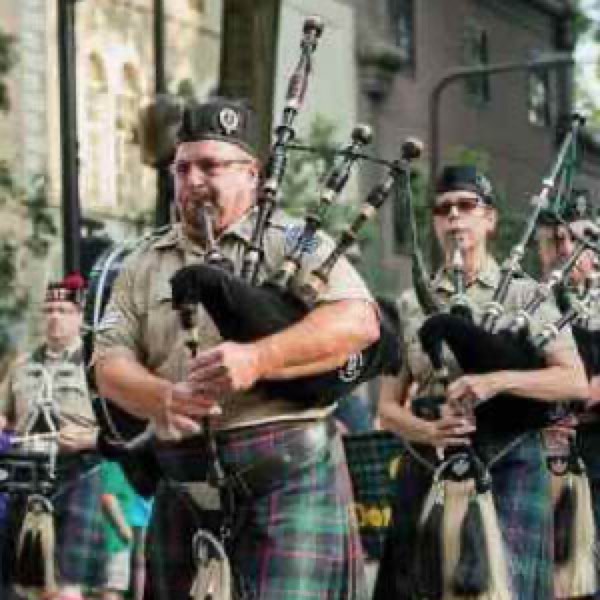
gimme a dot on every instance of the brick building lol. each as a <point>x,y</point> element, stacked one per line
<point>514,120</point>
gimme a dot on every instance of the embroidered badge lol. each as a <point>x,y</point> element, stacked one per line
<point>229,120</point>
<point>352,369</point>
<point>292,238</point>
<point>109,320</point>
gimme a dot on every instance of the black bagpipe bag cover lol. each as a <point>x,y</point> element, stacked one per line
<point>478,352</point>
<point>245,313</point>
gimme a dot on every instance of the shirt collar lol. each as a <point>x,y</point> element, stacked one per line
<point>63,355</point>
<point>488,276</point>
<point>241,230</point>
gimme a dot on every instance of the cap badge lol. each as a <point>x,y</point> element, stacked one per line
<point>229,120</point>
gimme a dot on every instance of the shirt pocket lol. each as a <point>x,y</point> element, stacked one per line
<point>31,385</point>
<point>70,391</point>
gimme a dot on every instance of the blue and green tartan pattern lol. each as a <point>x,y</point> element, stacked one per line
<point>79,532</point>
<point>299,540</point>
<point>373,460</point>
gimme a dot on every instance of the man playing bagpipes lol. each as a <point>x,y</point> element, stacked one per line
<point>293,535</point>
<point>489,535</point>
<point>46,410</point>
<point>572,448</point>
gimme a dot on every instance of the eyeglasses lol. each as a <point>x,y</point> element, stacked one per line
<point>463,206</point>
<point>209,166</point>
<point>62,311</point>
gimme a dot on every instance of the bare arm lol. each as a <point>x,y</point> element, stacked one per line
<point>324,338</point>
<point>396,416</point>
<point>126,382</point>
<point>113,511</point>
<point>563,379</point>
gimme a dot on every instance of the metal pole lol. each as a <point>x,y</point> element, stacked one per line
<point>453,75</point>
<point>163,192</point>
<point>71,209</point>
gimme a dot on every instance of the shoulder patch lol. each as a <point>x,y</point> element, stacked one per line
<point>292,238</point>
<point>109,320</point>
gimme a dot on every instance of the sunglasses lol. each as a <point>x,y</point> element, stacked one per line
<point>463,206</point>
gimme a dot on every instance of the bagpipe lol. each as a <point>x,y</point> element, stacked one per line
<point>460,551</point>
<point>245,309</point>
<point>244,306</point>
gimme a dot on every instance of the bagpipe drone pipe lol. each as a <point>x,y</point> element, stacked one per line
<point>459,549</point>
<point>587,338</point>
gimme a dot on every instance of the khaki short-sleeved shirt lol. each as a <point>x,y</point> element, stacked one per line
<point>418,367</point>
<point>44,378</point>
<point>139,320</point>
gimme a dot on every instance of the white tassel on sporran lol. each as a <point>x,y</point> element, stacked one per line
<point>458,495</point>
<point>455,512</point>
<point>213,571</point>
<point>577,576</point>
<point>35,567</point>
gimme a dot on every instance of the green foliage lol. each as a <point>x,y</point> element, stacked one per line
<point>23,204</point>
<point>584,23</point>
<point>305,174</point>
<point>31,204</point>
<point>8,58</point>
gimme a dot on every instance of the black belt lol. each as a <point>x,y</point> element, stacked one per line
<point>259,477</point>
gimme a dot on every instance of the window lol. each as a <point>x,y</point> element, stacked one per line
<point>538,97</point>
<point>401,13</point>
<point>476,54</point>
<point>97,170</point>
<point>127,151</point>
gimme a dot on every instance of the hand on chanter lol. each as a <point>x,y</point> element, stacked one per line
<point>449,430</point>
<point>229,367</point>
<point>182,409</point>
<point>468,391</point>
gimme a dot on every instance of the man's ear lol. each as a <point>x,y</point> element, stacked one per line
<point>492,215</point>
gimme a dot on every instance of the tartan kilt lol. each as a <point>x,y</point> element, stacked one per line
<point>79,527</point>
<point>79,541</point>
<point>299,540</point>
<point>373,459</point>
<point>521,490</point>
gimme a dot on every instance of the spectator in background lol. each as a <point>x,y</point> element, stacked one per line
<point>126,518</point>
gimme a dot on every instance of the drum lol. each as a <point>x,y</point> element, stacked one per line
<point>116,425</point>
<point>26,473</point>
<point>373,461</point>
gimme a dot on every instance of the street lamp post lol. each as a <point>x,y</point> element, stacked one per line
<point>163,192</point>
<point>71,208</point>
<point>555,60</point>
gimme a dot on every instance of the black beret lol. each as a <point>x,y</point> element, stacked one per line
<point>465,177</point>
<point>220,119</point>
